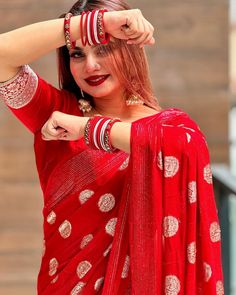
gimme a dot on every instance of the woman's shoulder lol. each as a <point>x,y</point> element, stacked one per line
<point>176,124</point>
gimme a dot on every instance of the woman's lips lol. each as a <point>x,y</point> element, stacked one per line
<point>96,80</point>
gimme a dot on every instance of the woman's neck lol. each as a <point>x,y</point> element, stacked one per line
<point>116,107</point>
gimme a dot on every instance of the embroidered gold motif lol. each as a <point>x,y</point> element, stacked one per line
<point>83,268</point>
<point>188,137</point>
<point>207,271</point>
<point>51,217</point>
<point>106,202</point>
<point>219,288</point>
<point>98,284</point>
<point>54,280</point>
<point>125,270</point>
<point>170,226</point>
<point>111,226</point>
<point>85,195</point>
<point>78,288</point>
<point>65,229</point>
<point>192,192</point>
<point>207,173</point>
<point>20,90</point>
<point>171,166</point>
<point>53,265</point>
<point>172,285</point>
<point>124,165</point>
<point>160,160</point>
<point>215,233</point>
<point>86,240</point>
<point>191,252</point>
<point>107,250</point>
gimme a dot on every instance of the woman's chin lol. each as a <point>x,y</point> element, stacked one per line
<point>100,93</point>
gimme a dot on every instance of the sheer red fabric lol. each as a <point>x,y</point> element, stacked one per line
<point>174,229</point>
<point>118,224</point>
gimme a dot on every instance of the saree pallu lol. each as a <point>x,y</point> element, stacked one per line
<point>174,230</point>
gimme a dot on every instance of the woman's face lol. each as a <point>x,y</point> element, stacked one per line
<point>92,71</point>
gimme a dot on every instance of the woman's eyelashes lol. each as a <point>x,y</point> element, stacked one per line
<point>77,54</point>
<point>98,50</point>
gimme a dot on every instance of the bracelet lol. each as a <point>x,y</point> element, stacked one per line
<point>107,136</point>
<point>104,37</point>
<point>83,36</point>
<point>92,28</point>
<point>69,44</point>
<point>97,133</point>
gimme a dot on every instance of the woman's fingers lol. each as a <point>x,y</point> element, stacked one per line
<point>144,35</point>
<point>50,131</point>
<point>129,25</point>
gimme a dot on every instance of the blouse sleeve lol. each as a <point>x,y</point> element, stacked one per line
<point>32,100</point>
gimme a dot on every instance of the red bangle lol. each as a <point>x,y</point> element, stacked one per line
<point>69,43</point>
<point>97,133</point>
<point>104,37</point>
<point>91,26</point>
<point>86,28</point>
<point>83,36</point>
<point>107,136</point>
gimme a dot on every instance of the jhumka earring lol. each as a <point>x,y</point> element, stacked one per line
<point>134,100</point>
<point>84,105</point>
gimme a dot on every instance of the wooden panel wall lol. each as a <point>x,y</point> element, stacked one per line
<point>189,70</point>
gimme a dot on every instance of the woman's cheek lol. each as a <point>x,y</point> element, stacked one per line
<point>75,73</point>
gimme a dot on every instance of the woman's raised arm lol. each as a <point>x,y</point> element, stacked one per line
<point>26,44</point>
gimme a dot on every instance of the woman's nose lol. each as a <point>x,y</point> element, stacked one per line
<point>92,64</point>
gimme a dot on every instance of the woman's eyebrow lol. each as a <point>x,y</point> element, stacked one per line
<point>78,48</point>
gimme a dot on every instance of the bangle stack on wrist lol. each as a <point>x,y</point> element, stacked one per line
<point>92,29</point>
<point>97,133</point>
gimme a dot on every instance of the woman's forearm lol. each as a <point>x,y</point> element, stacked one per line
<point>120,136</point>
<point>26,44</point>
<point>58,123</point>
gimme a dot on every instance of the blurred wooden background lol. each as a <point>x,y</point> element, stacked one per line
<point>189,69</point>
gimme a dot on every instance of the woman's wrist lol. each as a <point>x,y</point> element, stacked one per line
<point>120,136</point>
<point>83,124</point>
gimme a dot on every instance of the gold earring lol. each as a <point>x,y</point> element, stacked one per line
<point>84,105</point>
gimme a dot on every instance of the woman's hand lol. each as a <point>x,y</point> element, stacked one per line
<point>61,126</point>
<point>129,25</point>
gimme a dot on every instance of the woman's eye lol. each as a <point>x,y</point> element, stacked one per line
<point>76,55</point>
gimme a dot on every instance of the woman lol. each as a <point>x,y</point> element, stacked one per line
<point>128,198</point>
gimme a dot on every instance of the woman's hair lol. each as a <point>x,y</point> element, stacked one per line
<point>129,62</point>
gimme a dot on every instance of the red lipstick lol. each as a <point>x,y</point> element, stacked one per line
<point>96,80</point>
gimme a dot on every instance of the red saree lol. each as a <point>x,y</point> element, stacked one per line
<point>113,225</point>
